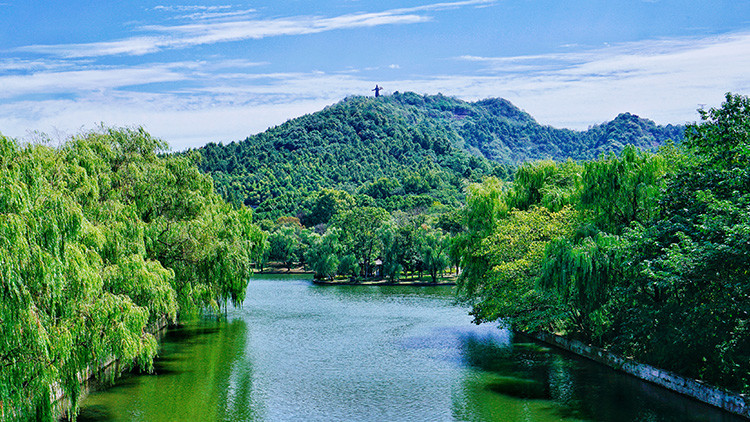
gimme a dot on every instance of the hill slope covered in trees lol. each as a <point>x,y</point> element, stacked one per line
<point>410,148</point>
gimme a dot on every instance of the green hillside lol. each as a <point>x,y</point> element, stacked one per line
<point>403,151</point>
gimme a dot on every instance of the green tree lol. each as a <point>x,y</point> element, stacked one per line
<point>501,267</point>
<point>434,250</point>
<point>326,203</point>
<point>284,244</point>
<point>689,277</point>
<point>618,191</point>
<point>391,266</point>
<point>98,244</point>
<point>359,234</point>
<point>349,265</point>
<point>323,254</point>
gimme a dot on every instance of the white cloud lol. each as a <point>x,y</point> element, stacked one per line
<point>664,80</point>
<point>181,36</point>
<point>77,81</point>
<point>183,122</point>
<point>661,79</point>
<point>191,8</point>
<point>445,6</point>
<point>21,66</point>
<point>198,13</point>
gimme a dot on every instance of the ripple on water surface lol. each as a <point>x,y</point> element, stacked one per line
<point>299,352</point>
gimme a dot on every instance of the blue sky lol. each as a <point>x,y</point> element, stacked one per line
<point>195,72</point>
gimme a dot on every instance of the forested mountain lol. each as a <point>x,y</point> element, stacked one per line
<point>403,151</point>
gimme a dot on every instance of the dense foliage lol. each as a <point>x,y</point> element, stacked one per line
<point>364,242</point>
<point>100,239</point>
<point>644,253</point>
<point>403,151</point>
<point>690,267</point>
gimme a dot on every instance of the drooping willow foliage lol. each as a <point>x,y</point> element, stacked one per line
<point>100,239</point>
<point>643,253</point>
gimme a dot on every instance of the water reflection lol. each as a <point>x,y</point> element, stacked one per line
<point>300,352</point>
<point>201,375</point>
<point>526,379</point>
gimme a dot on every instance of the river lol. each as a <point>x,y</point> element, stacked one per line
<point>295,351</point>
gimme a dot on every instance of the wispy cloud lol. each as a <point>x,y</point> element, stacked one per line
<point>202,13</point>
<point>16,65</point>
<point>162,37</point>
<point>41,77</point>
<point>445,6</point>
<point>191,8</point>
<point>664,80</point>
<point>78,81</point>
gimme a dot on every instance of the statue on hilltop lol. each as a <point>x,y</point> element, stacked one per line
<point>377,90</point>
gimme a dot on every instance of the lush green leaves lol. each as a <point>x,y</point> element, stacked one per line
<point>99,240</point>
<point>690,267</point>
<point>648,253</point>
<point>402,151</point>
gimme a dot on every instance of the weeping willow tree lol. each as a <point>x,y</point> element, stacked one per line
<point>503,247</point>
<point>100,239</point>
<point>543,253</point>
<point>582,276</point>
<point>620,190</point>
<point>546,183</point>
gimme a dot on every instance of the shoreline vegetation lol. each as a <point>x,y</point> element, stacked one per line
<point>281,269</point>
<point>100,238</point>
<point>640,253</point>
<point>643,254</point>
<point>384,282</point>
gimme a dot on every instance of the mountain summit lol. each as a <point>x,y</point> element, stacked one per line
<point>426,146</point>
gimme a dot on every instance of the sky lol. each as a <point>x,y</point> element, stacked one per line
<point>218,71</point>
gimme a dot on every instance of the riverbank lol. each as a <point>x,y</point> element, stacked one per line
<point>278,268</point>
<point>425,281</point>
<point>738,404</point>
<point>106,373</point>
<point>415,283</point>
<point>281,268</point>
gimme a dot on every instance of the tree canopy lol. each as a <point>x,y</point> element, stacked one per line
<point>402,151</point>
<point>644,253</point>
<point>100,239</point>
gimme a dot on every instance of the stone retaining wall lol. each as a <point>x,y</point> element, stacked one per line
<point>730,401</point>
<point>61,402</point>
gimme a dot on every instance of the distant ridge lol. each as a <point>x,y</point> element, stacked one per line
<point>426,148</point>
<point>500,131</point>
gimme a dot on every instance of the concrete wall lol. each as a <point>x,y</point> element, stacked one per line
<point>736,403</point>
<point>61,403</point>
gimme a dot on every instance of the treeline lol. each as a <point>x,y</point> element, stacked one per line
<point>100,239</point>
<point>646,254</point>
<point>347,238</point>
<point>499,131</point>
<point>403,151</point>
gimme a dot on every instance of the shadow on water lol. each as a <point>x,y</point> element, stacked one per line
<point>201,374</point>
<point>370,293</point>
<point>574,388</point>
<point>297,351</point>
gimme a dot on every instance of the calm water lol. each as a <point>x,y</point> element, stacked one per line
<point>300,352</point>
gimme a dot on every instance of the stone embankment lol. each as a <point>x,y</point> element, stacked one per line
<point>738,404</point>
<point>110,366</point>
